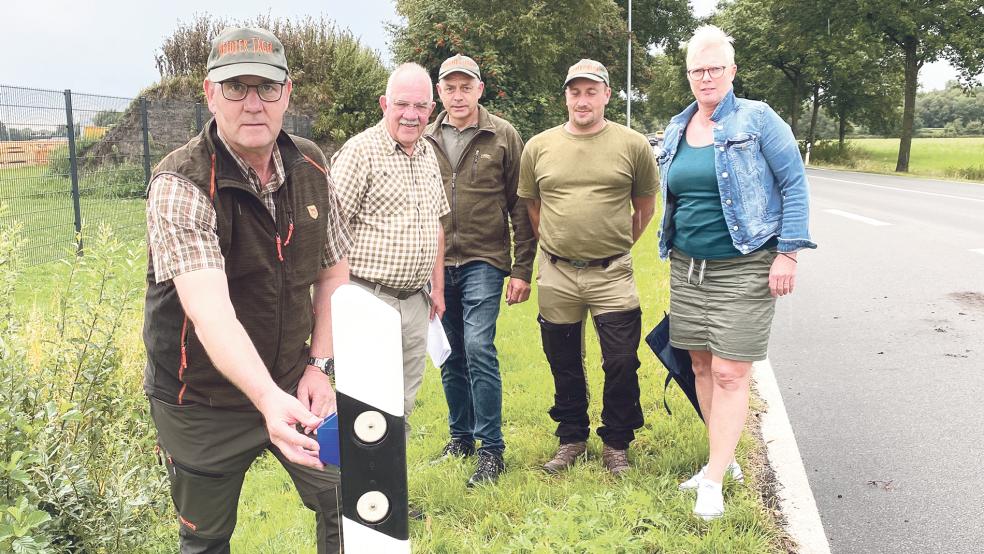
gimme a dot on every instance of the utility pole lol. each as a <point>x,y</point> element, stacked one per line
<point>628,86</point>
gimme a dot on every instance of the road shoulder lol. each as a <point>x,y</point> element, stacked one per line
<point>799,508</point>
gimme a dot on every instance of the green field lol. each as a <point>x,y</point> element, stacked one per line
<point>40,201</point>
<point>949,158</point>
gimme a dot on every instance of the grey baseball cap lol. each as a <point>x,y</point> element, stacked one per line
<point>588,69</point>
<point>238,51</point>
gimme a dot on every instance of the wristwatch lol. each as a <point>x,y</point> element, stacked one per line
<point>326,365</point>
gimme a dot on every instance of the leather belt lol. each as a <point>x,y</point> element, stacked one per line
<point>581,264</point>
<point>399,294</point>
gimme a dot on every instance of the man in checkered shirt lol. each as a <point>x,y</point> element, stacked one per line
<point>392,197</point>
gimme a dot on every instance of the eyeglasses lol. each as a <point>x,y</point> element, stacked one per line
<point>419,107</point>
<point>698,74</point>
<point>235,91</point>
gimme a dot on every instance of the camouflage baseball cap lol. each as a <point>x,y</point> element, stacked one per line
<point>588,69</point>
<point>241,51</point>
<point>462,64</point>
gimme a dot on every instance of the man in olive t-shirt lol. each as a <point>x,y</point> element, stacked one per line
<point>591,185</point>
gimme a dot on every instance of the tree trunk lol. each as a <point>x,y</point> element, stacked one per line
<point>812,135</point>
<point>909,109</point>
<point>794,108</point>
<point>841,129</point>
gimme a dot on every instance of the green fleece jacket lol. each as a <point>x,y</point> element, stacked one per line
<point>481,191</point>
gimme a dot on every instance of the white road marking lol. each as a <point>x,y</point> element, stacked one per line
<point>971,199</point>
<point>798,505</point>
<point>978,250</point>
<point>857,217</point>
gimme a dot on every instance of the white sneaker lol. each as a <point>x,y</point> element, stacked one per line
<point>733,469</point>
<point>710,500</point>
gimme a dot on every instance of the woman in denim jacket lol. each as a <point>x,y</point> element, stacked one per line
<point>735,215</point>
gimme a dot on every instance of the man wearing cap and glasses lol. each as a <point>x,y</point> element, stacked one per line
<point>241,222</point>
<point>389,185</point>
<point>479,155</point>
<point>591,185</point>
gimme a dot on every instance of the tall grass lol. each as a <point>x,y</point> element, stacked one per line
<point>76,445</point>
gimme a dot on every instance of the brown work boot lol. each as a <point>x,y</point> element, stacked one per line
<point>565,457</point>
<point>615,460</point>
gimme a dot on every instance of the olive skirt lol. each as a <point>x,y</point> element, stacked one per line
<point>722,306</point>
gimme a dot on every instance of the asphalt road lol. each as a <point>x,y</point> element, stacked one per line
<point>879,355</point>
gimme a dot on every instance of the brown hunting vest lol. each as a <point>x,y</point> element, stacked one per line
<point>270,266</point>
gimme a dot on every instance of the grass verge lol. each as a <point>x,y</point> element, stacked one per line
<point>584,510</point>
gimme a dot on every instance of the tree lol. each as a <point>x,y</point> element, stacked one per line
<point>659,23</point>
<point>782,35</point>
<point>827,58</point>
<point>926,32</point>
<point>938,107</point>
<point>666,90</point>
<point>859,76</point>
<point>523,47</point>
<point>4,135</point>
<point>659,26</point>
<point>334,75</point>
<point>106,118</point>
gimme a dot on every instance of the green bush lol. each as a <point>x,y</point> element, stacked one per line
<point>335,76</point>
<point>59,163</point>
<point>77,466</point>
<point>830,152</point>
<point>123,180</point>
<point>110,175</point>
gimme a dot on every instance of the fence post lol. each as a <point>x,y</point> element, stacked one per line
<point>73,171</point>
<point>199,117</point>
<point>146,139</point>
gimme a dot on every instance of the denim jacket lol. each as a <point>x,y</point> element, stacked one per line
<point>759,173</point>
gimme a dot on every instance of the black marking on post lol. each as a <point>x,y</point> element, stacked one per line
<point>377,467</point>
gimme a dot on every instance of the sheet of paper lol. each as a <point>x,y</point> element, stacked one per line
<point>437,342</point>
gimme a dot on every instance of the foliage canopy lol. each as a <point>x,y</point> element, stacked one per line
<point>335,77</point>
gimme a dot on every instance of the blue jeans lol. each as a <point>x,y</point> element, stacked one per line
<point>470,375</point>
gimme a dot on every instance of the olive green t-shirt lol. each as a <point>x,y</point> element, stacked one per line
<point>585,185</point>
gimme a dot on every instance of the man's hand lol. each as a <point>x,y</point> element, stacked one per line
<point>315,392</point>
<point>782,275</point>
<point>517,291</point>
<point>437,303</point>
<point>282,413</point>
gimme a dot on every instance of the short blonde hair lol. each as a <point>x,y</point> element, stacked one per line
<point>710,36</point>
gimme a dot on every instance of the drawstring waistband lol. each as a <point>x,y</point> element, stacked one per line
<point>700,273</point>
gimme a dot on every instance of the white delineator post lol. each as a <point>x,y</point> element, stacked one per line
<point>368,350</point>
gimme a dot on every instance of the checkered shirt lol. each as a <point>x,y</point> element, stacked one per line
<point>393,203</point>
<point>181,221</point>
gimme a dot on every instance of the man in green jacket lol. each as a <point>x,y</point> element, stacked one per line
<point>479,156</point>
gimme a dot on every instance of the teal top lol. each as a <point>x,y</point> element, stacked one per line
<point>701,231</point>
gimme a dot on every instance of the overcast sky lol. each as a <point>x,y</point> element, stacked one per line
<point>107,47</point>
